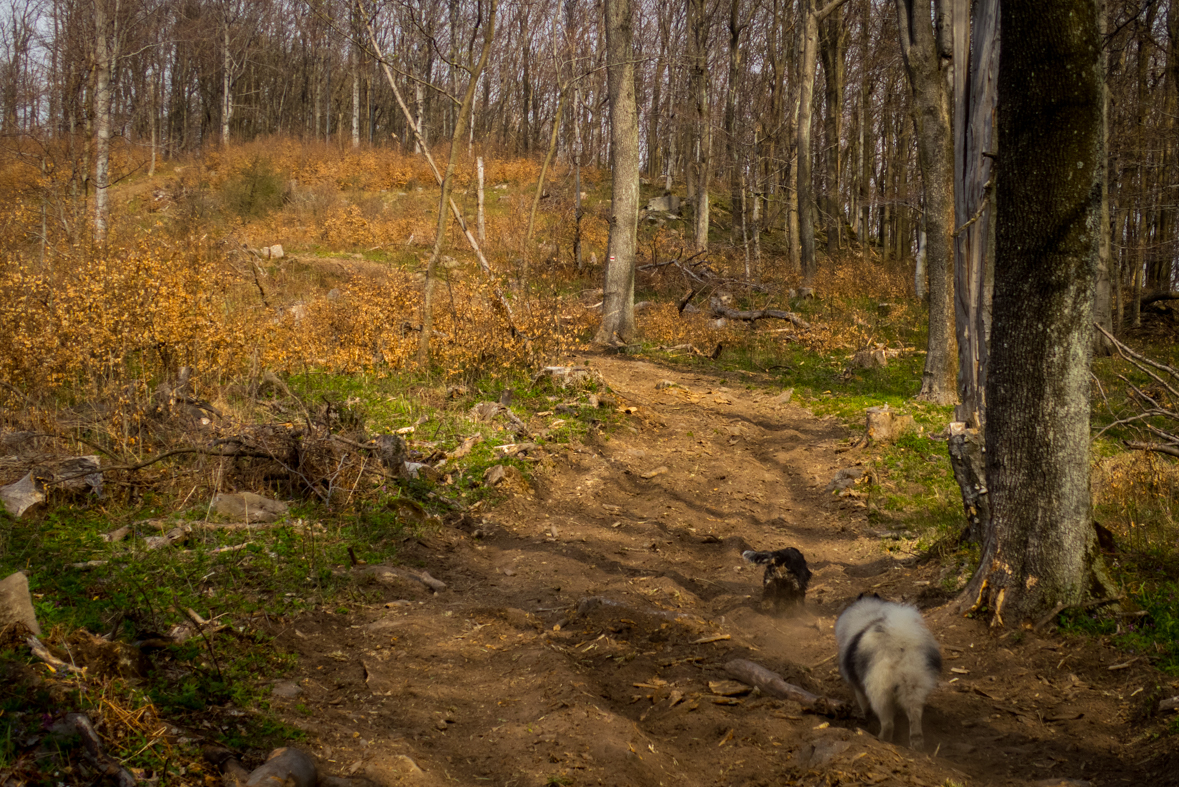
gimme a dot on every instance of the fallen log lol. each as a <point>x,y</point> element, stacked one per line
<point>720,310</point>
<point>1171,704</point>
<point>769,682</point>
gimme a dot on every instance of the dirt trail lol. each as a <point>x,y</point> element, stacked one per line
<point>500,680</point>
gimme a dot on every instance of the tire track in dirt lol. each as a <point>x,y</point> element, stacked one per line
<point>501,680</point>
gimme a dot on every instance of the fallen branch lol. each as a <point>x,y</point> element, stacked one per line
<point>1158,448</point>
<point>81,725</point>
<point>720,310</point>
<point>1171,704</point>
<point>53,662</point>
<point>769,683</point>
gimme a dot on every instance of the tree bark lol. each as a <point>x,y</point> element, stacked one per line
<point>618,313</point>
<point>831,50</point>
<point>702,155</point>
<point>927,60</point>
<point>976,38</point>
<point>808,32</point>
<point>1040,545</point>
<point>105,52</point>
<point>736,181</point>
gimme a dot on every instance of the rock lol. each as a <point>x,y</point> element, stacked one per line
<point>391,450</point>
<point>334,294</point>
<point>659,386</point>
<point>286,689</point>
<point>885,426</point>
<point>824,751</point>
<point>22,495</point>
<point>570,376</point>
<point>668,203</point>
<point>784,397</point>
<point>391,769</point>
<point>248,507</point>
<point>494,475</point>
<point>845,478</point>
<point>806,292</point>
<point>870,358</point>
<point>16,605</point>
<point>658,471</point>
<point>272,252</point>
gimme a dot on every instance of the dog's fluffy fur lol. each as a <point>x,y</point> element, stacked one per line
<point>890,659</point>
<point>786,577</point>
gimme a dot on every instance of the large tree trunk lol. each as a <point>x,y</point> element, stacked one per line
<point>927,59</point>
<point>702,155</point>
<point>618,312</point>
<point>1040,547</point>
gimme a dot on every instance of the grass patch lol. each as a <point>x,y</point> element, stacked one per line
<point>1153,591</point>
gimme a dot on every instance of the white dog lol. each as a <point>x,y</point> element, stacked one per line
<point>890,659</point>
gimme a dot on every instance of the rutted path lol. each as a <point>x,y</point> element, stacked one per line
<point>501,680</point>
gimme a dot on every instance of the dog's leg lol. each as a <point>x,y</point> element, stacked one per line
<point>885,711</point>
<point>916,738</point>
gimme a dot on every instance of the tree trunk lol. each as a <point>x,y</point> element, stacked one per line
<point>1040,547</point>
<point>976,38</point>
<point>460,128</point>
<point>544,169</point>
<point>736,180</point>
<point>226,79</point>
<point>1102,294</point>
<point>926,60</point>
<point>702,155</point>
<point>831,49</point>
<point>618,313</point>
<point>104,57</point>
<point>808,31</point>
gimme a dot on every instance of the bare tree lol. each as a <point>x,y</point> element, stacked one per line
<point>928,61</point>
<point>702,137</point>
<point>808,47</point>
<point>618,313</point>
<point>1039,551</point>
<point>976,38</point>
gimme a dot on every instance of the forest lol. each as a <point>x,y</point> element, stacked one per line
<point>394,387</point>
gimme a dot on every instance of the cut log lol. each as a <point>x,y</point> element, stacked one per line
<point>22,495</point>
<point>286,767</point>
<point>769,682</point>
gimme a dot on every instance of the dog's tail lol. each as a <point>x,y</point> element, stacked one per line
<point>760,558</point>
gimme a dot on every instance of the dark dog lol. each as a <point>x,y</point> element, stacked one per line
<point>786,577</point>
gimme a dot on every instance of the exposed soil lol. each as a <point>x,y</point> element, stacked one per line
<point>500,680</point>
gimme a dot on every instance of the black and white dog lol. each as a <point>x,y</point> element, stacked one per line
<point>786,577</point>
<point>890,660</point>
